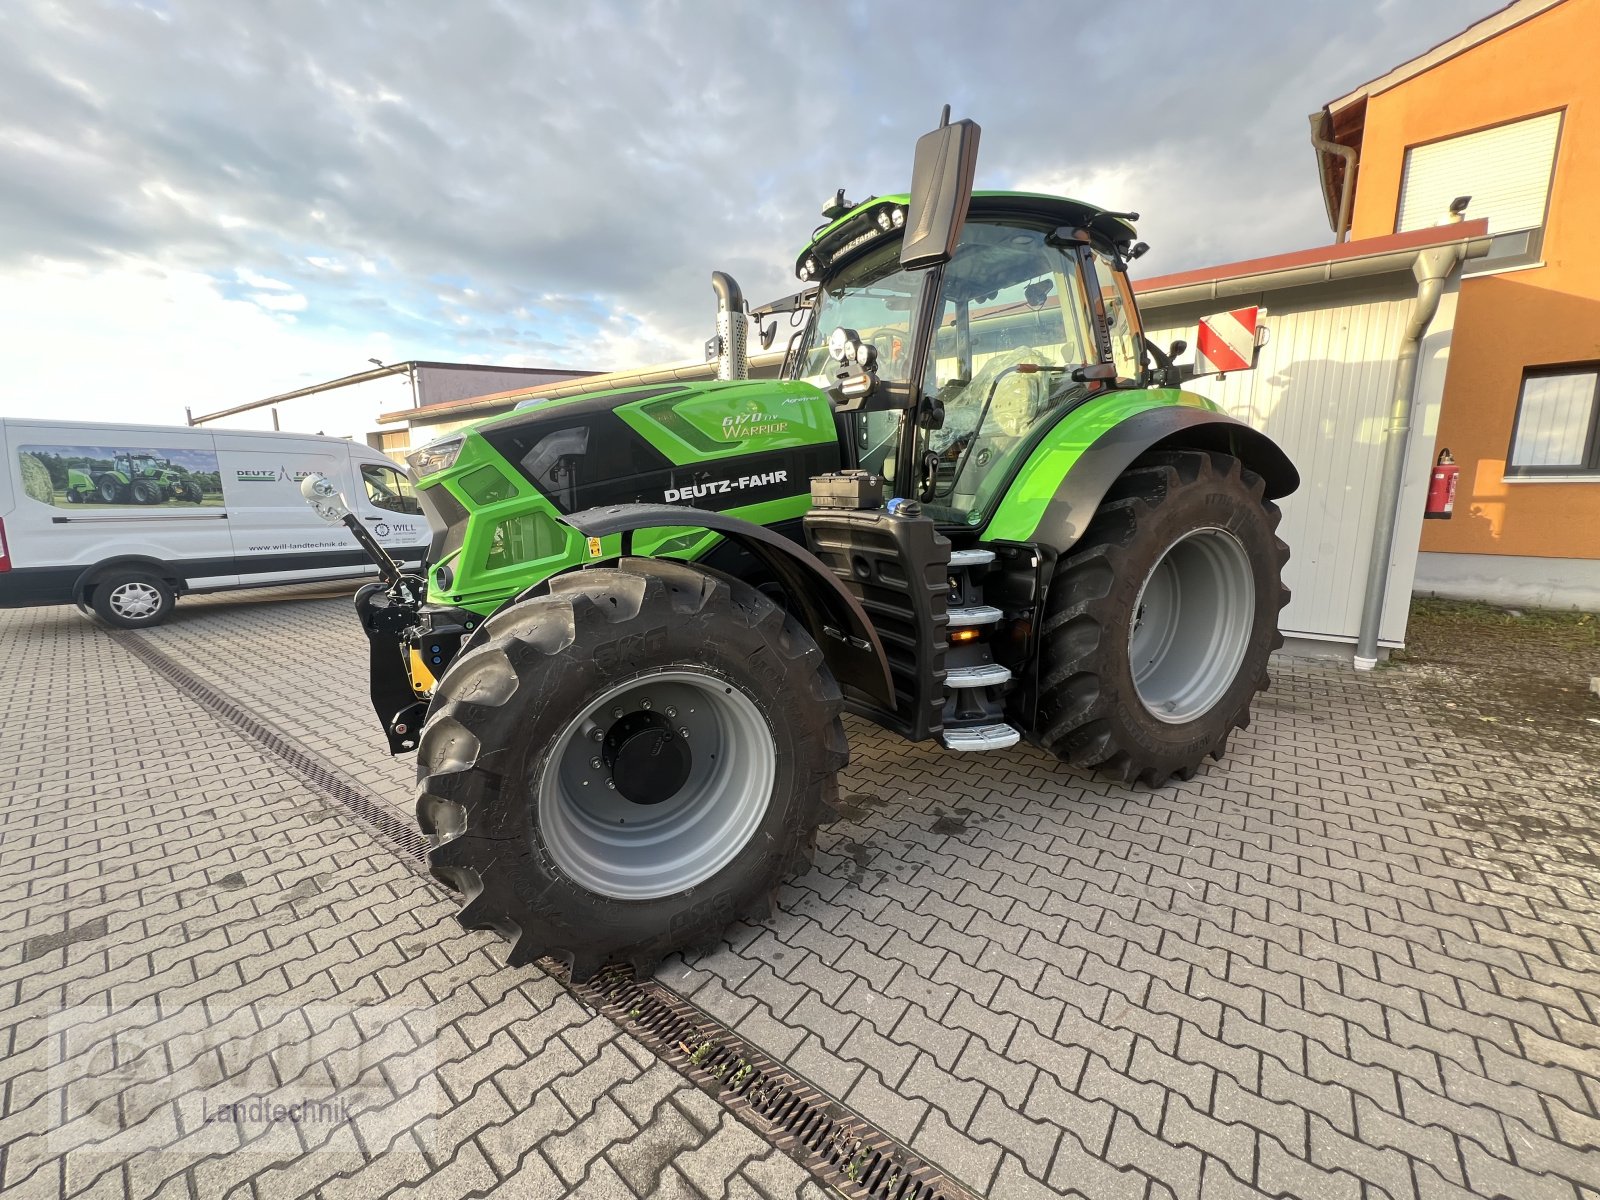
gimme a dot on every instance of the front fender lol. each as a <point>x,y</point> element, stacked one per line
<point>1059,488</point>
<point>833,617</point>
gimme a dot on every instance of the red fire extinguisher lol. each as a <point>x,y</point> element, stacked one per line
<point>1442,488</point>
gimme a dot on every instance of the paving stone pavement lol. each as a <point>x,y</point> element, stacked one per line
<point>1361,957</point>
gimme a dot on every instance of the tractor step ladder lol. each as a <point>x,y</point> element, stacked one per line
<point>991,735</point>
<point>971,558</point>
<point>981,737</point>
<point>977,614</point>
<point>982,675</point>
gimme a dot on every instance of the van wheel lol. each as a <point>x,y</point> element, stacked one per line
<point>134,600</point>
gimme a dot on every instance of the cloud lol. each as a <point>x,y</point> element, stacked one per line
<point>552,184</point>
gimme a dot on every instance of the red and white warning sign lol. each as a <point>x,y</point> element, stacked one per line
<point>1226,342</point>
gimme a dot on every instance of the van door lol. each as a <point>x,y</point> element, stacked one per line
<point>276,536</point>
<point>386,501</point>
<point>88,495</point>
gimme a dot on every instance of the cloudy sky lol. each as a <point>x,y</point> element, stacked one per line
<point>203,204</point>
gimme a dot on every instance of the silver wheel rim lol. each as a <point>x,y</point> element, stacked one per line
<point>135,600</point>
<point>626,850</point>
<point>1192,625</point>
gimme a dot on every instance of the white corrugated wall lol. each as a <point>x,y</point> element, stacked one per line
<point>1322,388</point>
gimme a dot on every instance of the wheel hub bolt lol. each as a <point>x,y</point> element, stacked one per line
<point>598,735</point>
<point>684,732</point>
<point>671,712</point>
<point>595,763</point>
<point>612,784</point>
<point>644,704</point>
<point>617,712</point>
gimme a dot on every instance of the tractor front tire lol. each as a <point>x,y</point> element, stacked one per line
<point>111,490</point>
<point>1160,620</point>
<point>627,763</point>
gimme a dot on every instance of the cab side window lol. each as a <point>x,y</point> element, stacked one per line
<point>1121,319</point>
<point>388,489</point>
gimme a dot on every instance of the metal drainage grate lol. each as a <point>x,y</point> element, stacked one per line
<point>399,835</point>
<point>842,1149</point>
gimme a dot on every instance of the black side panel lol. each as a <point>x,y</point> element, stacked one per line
<point>899,569</point>
<point>447,520</point>
<point>590,459</point>
<point>827,609</point>
<point>1078,497</point>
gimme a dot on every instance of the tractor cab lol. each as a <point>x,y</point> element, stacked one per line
<point>943,395</point>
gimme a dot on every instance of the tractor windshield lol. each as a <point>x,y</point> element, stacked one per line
<point>875,299</point>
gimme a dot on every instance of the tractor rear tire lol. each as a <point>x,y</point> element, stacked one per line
<point>627,763</point>
<point>1160,621</point>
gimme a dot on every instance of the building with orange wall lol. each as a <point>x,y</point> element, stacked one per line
<point>1507,113</point>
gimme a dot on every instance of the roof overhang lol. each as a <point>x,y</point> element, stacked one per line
<point>1343,121</point>
<point>1392,253</point>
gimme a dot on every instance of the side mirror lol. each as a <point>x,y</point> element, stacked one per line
<point>941,189</point>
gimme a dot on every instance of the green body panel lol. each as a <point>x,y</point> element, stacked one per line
<point>1022,505</point>
<point>516,537</point>
<point>78,480</point>
<point>727,419</point>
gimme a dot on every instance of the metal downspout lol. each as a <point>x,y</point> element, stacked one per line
<point>1341,223</point>
<point>1432,270</point>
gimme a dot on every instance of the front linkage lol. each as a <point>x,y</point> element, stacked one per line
<point>407,646</point>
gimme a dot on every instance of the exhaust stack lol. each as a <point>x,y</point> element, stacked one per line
<point>731,345</point>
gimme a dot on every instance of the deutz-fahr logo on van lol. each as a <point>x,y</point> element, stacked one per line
<point>268,475</point>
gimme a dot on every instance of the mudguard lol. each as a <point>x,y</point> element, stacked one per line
<point>1059,489</point>
<point>833,617</point>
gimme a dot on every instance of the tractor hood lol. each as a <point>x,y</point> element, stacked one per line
<point>746,447</point>
<point>715,445</point>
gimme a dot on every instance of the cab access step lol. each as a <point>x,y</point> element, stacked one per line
<point>928,605</point>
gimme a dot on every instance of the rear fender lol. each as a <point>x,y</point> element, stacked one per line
<point>1056,495</point>
<point>833,617</point>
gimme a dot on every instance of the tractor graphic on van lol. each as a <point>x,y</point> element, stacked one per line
<point>132,478</point>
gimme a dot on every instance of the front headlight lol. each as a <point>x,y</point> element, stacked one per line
<point>435,456</point>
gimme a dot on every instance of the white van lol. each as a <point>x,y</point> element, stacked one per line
<point>124,518</point>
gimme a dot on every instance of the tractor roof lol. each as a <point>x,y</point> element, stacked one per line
<point>859,226</point>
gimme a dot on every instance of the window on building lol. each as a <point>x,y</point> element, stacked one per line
<point>1555,431</point>
<point>1506,169</point>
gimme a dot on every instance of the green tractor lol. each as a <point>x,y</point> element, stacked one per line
<point>137,477</point>
<point>977,507</point>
